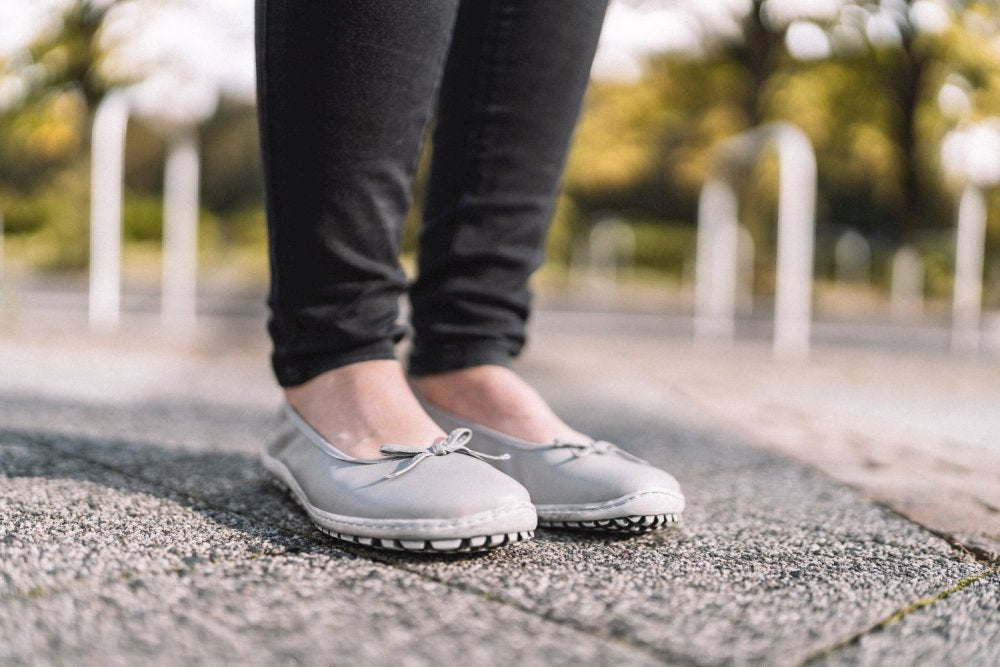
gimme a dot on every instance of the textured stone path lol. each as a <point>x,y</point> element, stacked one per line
<point>137,526</point>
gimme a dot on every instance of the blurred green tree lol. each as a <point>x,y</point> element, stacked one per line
<point>864,82</point>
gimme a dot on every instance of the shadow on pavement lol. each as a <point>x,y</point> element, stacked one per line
<point>229,488</point>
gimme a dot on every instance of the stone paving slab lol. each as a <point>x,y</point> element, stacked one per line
<point>101,567</point>
<point>962,628</point>
<point>774,563</point>
<point>308,608</point>
<point>915,433</point>
<point>63,520</point>
<point>798,569</point>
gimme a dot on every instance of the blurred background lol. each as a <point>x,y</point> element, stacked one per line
<point>900,100</point>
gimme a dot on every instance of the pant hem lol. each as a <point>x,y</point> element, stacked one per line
<point>290,373</point>
<point>440,359</point>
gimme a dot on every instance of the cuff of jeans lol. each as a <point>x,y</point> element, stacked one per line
<point>292,371</point>
<point>442,358</point>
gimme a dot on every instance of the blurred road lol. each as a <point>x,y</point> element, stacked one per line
<point>136,524</point>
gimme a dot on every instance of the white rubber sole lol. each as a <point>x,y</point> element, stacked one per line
<point>470,544</point>
<point>625,524</point>
<point>638,512</point>
<point>463,545</point>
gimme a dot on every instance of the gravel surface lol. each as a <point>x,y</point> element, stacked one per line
<point>163,542</point>
<point>136,525</point>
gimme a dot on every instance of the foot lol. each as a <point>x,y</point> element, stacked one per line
<point>575,483</point>
<point>497,397</point>
<point>362,406</point>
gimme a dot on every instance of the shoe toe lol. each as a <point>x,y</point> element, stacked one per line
<point>606,484</point>
<point>655,491</point>
<point>453,486</point>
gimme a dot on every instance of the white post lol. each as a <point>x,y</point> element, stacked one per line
<point>968,292</point>
<point>715,263</point>
<point>852,258</point>
<point>717,252</point>
<point>746,254</point>
<point>3,283</point>
<point>796,231</point>
<point>107,162</point>
<point>180,233</point>
<point>906,300</point>
<point>610,252</point>
<point>579,262</point>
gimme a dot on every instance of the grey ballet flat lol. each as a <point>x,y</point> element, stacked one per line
<point>441,498</point>
<point>589,485</point>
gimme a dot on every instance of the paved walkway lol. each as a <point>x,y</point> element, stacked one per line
<point>137,526</point>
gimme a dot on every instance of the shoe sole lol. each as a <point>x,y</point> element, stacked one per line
<point>464,545</point>
<point>628,524</point>
<point>474,544</point>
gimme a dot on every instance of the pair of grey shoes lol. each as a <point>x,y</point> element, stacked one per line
<point>448,497</point>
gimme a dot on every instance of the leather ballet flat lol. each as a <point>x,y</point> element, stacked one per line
<point>443,497</point>
<point>593,485</point>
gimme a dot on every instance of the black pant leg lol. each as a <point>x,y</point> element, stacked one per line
<point>345,90</point>
<point>509,99</point>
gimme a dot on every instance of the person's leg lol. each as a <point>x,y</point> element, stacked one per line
<point>509,100</point>
<point>345,90</point>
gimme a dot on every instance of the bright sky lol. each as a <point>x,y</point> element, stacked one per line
<point>212,40</point>
<point>20,20</point>
<point>187,52</point>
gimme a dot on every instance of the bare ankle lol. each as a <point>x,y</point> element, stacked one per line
<point>497,397</point>
<point>362,406</point>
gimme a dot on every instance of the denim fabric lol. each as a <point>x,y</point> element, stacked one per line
<point>345,92</point>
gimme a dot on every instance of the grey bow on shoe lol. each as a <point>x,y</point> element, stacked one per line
<point>595,447</point>
<point>455,442</point>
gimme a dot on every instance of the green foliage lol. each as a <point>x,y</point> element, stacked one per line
<point>142,217</point>
<point>663,247</point>
<point>939,266</point>
<point>53,227</point>
<point>41,140</point>
<point>23,215</point>
<point>564,227</point>
<point>231,160</point>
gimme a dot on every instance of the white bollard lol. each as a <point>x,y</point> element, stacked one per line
<point>107,160</point>
<point>3,283</point>
<point>796,232</point>
<point>180,233</point>
<point>715,263</point>
<point>852,257</point>
<point>970,244</point>
<point>579,263</point>
<point>906,295</point>
<point>717,251</point>
<point>610,253</point>
<point>746,253</point>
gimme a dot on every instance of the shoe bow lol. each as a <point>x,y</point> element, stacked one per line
<point>455,442</point>
<point>600,447</point>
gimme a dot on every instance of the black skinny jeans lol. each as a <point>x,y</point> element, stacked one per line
<point>346,89</point>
